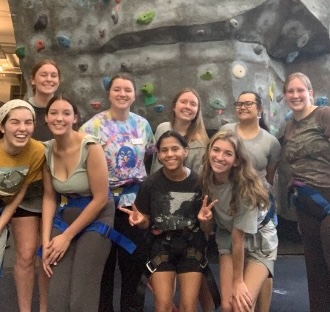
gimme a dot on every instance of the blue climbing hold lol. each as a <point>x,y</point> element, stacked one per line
<point>159,108</point>
<point>322,101</point>
<point>292,56</point>
<point>106,82</point>
<point>63,41</point>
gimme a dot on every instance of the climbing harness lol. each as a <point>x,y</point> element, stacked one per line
<point>300,188</point>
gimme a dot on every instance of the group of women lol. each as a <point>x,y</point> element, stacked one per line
<point>95,182</point>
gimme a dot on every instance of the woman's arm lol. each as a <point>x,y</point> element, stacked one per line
<point>136,217</point>
<point>270,173</point>
<point>205,215</point>
<point>11,207</point>
<point>241,294</point>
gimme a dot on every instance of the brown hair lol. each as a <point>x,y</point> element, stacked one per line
<point>124,76</point>
<point>304,78</point>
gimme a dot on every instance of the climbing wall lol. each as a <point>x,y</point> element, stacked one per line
<point>219,47</point>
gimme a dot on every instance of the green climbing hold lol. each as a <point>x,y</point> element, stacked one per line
<point>206,76</point>
<point>20,52</point>
<point>146,17</point>
<point>217,104</point>
<point>148,89</point>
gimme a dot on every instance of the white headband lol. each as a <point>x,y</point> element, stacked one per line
<point>7,107</point>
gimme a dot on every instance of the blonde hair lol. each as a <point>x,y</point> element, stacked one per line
<point>246,183</point>
<point>196,130</point>
<point>304,78</point>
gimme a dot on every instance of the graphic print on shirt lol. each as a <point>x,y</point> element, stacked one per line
<point>175,210</point>
<point>122,157</point>
<point>11,179</point>
<point>126,157</point>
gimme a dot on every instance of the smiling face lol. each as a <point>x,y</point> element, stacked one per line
<point>186,107</point>
<point>244,113</point>
<point>17,129</point>
<point>298,96</point>
<point>171,154</point>
<point>121,94</point>
<point>222,158</point>
<point>60,117</point>
<point>46,80</point>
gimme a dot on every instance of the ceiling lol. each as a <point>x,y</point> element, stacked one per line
<point>9,63</point>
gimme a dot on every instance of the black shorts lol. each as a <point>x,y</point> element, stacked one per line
<point>20,212</point>
<point>180,260</point>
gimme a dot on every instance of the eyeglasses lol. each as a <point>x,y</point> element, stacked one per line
<point>246,104</point>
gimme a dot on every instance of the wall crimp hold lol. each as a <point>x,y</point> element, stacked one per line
<point>292,56</point>
<point>41,23</point>
<point>20,52</point>
<point>114,16</point>
<point>83,67</point>
<point>148,90</point>
<point>39,45</point>
<point>207,75</point>
<point>63,41</point>
<point>217,104</point>
<point>159,108</point>
<point>146,17</point>
<point>106,82</point>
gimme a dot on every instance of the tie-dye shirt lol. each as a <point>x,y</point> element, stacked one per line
<point>125,145</point>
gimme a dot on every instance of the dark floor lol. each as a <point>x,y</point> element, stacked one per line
<point>290,284</point>
<point>289,294</point>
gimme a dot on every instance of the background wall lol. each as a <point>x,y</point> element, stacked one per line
<point>219,47</point>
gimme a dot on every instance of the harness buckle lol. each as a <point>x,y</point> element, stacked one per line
<point>106,230</point>
<point>204,264</point>
<point>151,267</point>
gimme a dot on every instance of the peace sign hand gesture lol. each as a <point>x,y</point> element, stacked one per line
<point>135,216</point>
<point>205,214</point>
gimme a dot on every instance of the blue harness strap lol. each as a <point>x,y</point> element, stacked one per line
<point>99,227</point>
<point>316,196</point>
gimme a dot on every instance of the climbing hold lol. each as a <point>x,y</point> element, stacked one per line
<point>146,17</point>
<point>219,111</point>
<point>149,100</point>
<point>106,82</point>
<point>63,41</point>
<point>258,49</point>
<point>41,23</point>
<point>207,75</point>
<point>291,56</point>
<point>159,108</point>
<point>271,90</point>
<point>279,98</point>
<point>96,104</point>
<point>217,104</point>
<point>302,40</point>
<point>239,71</point>
<point>148,89</point>
<point>322,101</point>
<point>117,1</point>
<point>126,68</point>
<point>102,33</point>
<point>39,45</point>
<point>114,16</point>
<point>200,32</point>
<point>234,23</point>
<point>288,115</point>
<point>83,67</point>
<point>20,52</point>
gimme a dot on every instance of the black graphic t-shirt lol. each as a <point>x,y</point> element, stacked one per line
<point>171,205</point>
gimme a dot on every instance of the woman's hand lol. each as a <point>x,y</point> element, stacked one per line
<point>242,298</point>
<point>205,214</point>
<point>55,250</point>
<point>135,216</point>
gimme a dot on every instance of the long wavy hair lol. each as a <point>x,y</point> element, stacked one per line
<point>247,186</point>
<point>196,130</point>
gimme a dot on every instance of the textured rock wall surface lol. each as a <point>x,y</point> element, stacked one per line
<point>219,47</point>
